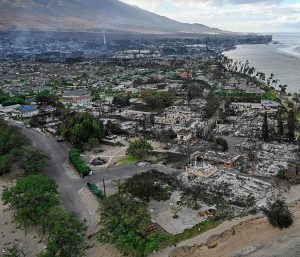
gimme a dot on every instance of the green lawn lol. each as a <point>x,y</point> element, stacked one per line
<point>271,95</point>
<point>127,160</point>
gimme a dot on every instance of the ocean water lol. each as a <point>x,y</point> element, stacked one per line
<point>281,59</point>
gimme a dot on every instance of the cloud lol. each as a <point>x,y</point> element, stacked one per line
<point>234,15</point>
<point>149,5</point>
<point>238,2</point>
<point>196,2</point>
<point>219,3</point>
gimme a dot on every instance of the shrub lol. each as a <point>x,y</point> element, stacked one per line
<point>79,165</point>
<point>5,163</point>
<point>34,162</point>
<point>222,142</point>
<point>278,214</point>
<point>281,175</point>
<point>13,251</point>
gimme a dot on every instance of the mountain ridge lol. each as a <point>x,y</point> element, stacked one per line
<point>90,15</point>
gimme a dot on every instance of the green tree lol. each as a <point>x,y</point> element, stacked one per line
<point>265,128</point>
<point>139,148</point>
<point>64,234</point>
<point>34,162</point>
<point>32,197</point>
<point>123,220</point>
<point>6,99</point>
<point>157,100</point>
<point>121,100</point>
<point>212,105</point>
<point>149,185</point>
<point>80,128</point>
<point>291,125</point>
<point>46,98</point>
<point>11,142</point>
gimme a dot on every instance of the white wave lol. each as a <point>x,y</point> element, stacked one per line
<point>291,50</point>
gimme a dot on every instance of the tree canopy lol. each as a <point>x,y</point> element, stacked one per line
<point>35,201</point>
<point>7,100</point>
<point>157,100</point>
<point>34,161</point>
<point>11,142</point>
<point>65,234</point>
<point>32,197</point>
<point>121,100</point>
<point>123,220</point>
<point>139,148</point>
<point>149,185</point>
<point>46,98</point>
<point>79,128</point>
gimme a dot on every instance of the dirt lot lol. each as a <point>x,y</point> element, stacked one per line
<point>11,232</point>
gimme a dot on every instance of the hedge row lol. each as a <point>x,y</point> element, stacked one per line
<point>96,191</point>
<point>79,165</point>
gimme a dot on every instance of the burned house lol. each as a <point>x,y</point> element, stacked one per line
<point>226,160</point>
<point>184,135</point>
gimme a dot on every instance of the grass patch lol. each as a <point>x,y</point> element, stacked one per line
<point>127,160</point>
<point>298,116</point>
<point>200,228</point>
<point>271,95</point>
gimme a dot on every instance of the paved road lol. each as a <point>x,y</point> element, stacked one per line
<point>67,179</point>
<point>68,186</point>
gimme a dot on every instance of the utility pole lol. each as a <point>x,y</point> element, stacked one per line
<point>104,190</point>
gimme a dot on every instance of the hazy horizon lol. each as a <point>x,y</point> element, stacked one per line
<point>260,16</point>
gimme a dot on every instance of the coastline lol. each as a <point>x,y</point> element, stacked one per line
<point>279,57</point>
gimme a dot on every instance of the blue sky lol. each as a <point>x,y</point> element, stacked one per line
<point>233,15</point>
